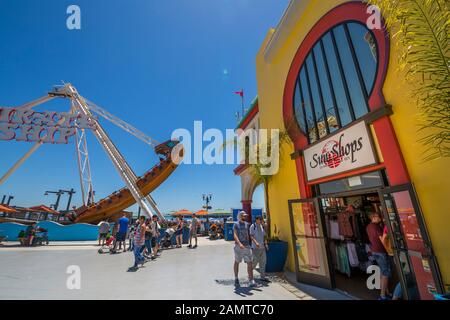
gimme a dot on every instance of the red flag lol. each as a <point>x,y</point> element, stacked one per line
<point>241,93</point>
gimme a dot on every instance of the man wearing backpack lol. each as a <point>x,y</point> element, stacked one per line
<point>259,246</point>
<point>242,250</point>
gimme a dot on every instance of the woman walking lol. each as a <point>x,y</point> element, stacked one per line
<point>139,239</point>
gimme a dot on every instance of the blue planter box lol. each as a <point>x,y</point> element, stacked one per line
<point>276,256</point>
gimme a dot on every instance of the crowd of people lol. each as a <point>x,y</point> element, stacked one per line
<point>146,237</point>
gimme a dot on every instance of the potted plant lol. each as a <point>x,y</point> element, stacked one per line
<point>277,253</point>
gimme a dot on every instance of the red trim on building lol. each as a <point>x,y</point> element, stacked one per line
<point>249,117</point>
<point>238,170</point>
<point>247,207</point>
<point>393,160</point>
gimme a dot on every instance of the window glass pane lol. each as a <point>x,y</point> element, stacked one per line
<point>310,248</point>
<point>326,91</point>
<point>308,109</point>
<point>366,51</point>
<point>298,108</point>
<point>364,181</point>
<point>336,80</point>
<point>354,86</point>
<point>320,118</point>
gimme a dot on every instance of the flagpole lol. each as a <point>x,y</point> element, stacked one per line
<point>242,100</point>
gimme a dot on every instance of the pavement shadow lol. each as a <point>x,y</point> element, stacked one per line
<point>244,289</point>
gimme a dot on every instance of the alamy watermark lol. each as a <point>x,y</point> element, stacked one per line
<point>250,146</point>
<point>374,21</point>
<point>374,280</point>
<point>73,281</point>
<point>73,21</point>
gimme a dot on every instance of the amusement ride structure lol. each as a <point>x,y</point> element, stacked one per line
<point>136,190</point>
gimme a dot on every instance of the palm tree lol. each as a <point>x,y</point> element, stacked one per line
<point>421,27</point>
<point>259,175</point>
<point>257,169</point>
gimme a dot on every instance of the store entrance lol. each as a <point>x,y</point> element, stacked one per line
<point>346,219</point>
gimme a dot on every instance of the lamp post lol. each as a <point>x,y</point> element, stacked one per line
<point>207,199</point>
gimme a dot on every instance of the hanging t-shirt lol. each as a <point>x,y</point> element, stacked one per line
<point>352,254</point>
<point>334,230</point>
<point>345,226</point>
<point>343,259</point>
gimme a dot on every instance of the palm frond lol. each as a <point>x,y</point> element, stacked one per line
<point>422,28</point>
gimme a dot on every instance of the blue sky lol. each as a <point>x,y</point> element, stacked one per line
<point>159,65</point>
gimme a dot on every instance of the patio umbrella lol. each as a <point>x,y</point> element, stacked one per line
<point>182,212</point>
<point>7,209</point>
<point>201,213</point>
<point>43,208</point>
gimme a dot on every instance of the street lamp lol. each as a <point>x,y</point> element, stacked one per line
<point>207,199</point>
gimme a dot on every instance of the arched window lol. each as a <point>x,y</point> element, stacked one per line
<point>336,80</point>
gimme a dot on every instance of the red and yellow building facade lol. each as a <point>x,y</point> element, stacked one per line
<point>333,83</point>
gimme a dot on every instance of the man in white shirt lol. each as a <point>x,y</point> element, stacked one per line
<point>193,231</point>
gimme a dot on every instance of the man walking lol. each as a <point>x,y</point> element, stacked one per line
<point>242,250</point>
<point>121,233</point>
<point>193,231</point>
<point>259,246</point>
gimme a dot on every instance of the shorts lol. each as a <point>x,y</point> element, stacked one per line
<point>179,232</point>
<point>242,254</point>
<point>193,233</point>
<point>120,236</point>
<point>383,262</point>
<point>154,242</point>
<point>103,235</point>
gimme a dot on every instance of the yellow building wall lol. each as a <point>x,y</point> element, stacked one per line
<point>431,179</point>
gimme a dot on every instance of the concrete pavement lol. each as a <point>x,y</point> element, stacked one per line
<point>201,273</point>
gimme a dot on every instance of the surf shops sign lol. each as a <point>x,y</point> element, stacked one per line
<point>344,151</point>
<point>48,127</point>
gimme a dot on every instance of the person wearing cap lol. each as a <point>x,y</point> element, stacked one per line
<point>242,250</point>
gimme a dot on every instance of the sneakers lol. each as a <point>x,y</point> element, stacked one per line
<point>252,284</point>
<point>384,298</point>
<point>189,246</point>
<point>195,246</point>
<point>236,283</point>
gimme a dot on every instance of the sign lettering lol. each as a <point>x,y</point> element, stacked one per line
<point>346,150</point>
<point>48,127</point>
